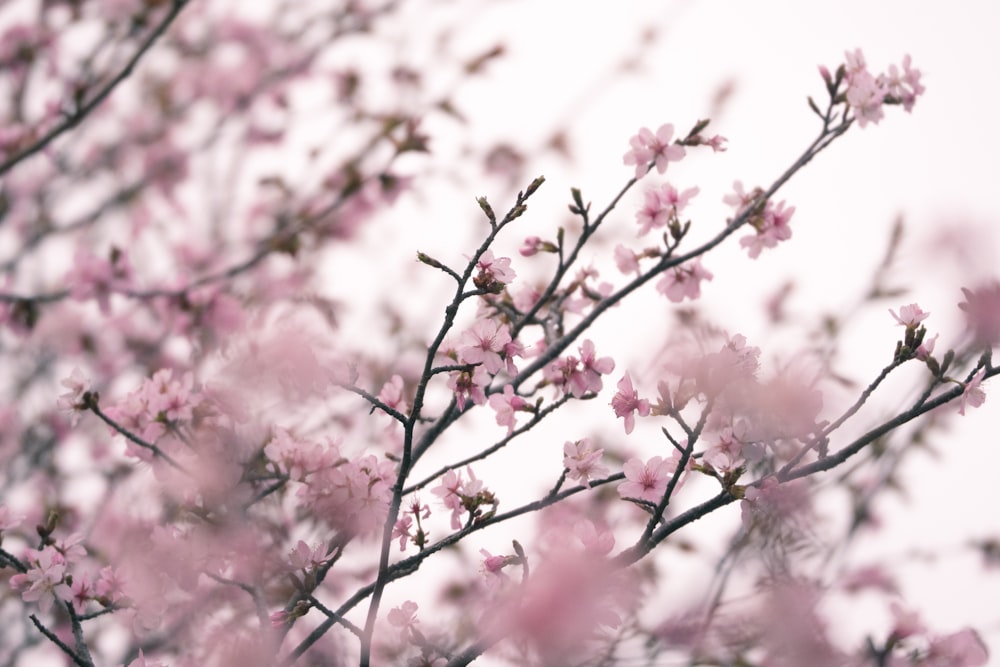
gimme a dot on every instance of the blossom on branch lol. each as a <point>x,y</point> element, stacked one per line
<point>683,282</point>
<point>648,147</point>
<point>626,403</point>
<point>45,580</point>
<point>72,401</point>
<point>506,405</point>
<point>910,315</point>
<point>771,227</point>
<point>580,376</point>
<point>646,481</point>
<point>484,343</point>
<point>662,206</point>
<point>973,395</point>
<point>582,462</point>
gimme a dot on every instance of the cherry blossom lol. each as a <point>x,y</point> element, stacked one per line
<point>726,453</point>
<point>483,343</point>
<point>579,376</point>
<point>904,87</point>
<point>404,616</point>
<point>626,403</point>
<point>960,649</point>
<point>72,401</point>
<point>392,393</point>
<point>771,227</point>
<point>662,205</point>
<point>45,581</point>
<point>506,406</point>
<point>648,147</point>
<point>626,260</point>
<point>596,540</point>
<point>684,282</point>
<point>740,198</point>
<point>469,385</point>
<point>307,558</point>
<point>531,246</point>
<point>973,395</point>
<point>461,496</point>
<point>493,272</point>
<point>910,315</point>
<point>646,481</point>
<point>583,462</point>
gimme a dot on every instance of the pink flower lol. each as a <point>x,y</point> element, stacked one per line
<point>910,315</point>
<point>902,88</point>
<point>449,489</point>
<point>626,403</point>
<point>280,619</point>
<point>580,376</point>
<point>109,585</point>
<point>727,452</point>
<point>404,616</point>
<point>82,592</point>
<point>493,271</point>
<point>645,481</point>
<point>865,97</point>
<point>45,580</point>
<point>648,147</point>
<point>72,401</point>
<point>531,246</point>
<point>866,94</point>
<point>460,495</point>
<point>392,393</point>
<point>716,142</point>
<point>589,377</point>
<point>483,343</point>
<point>982,313</point>
<point>740,198</point>
<point>582,461</point>
<point>661,206</point>
<point>626,260</point>
<point>506,405</point>
<point>71,548</point>
<point>492,570</point>
<point>973,395</point>
<point>683,282</point>
<point>773,502</point>
<point>771,228</point>
<point>172,399</point>
<point>926,348</point>
<point>492,564</point>
<point>598,542</point>
<point>960,649</point>
<point>653,213</point>
<point>469,386</point>
<point>304,557</point>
